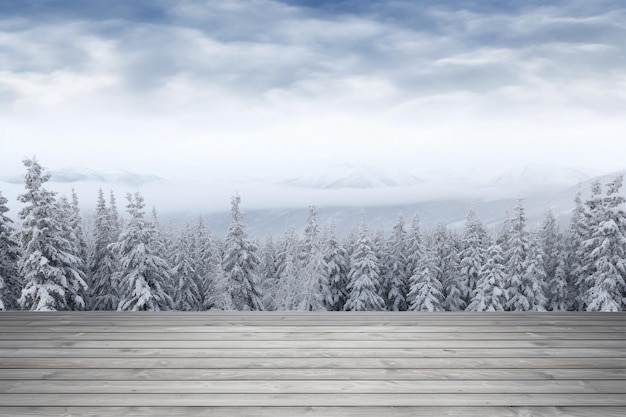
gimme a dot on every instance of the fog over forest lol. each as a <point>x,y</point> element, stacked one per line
<point>52,259</point>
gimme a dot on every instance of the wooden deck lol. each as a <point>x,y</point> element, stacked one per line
<point>312,364</point>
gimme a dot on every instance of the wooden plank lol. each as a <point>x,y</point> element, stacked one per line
<point>276,333</point>
<point>314,387</point>
<point>313,400</point>
<point>256,352</point>
<point>313,411</point>
<point>298,363</point>
<point>286,344</point>
<point>407,326</point>
<point>217,374</point>
<point>299,315</point>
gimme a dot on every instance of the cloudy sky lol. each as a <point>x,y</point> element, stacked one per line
<point>210,88</point>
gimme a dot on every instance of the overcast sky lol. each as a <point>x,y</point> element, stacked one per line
<point>256,87</point>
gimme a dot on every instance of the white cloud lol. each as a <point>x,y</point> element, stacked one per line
<point>261,86</point>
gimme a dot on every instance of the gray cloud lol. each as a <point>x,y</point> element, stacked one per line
<point>267,76</point>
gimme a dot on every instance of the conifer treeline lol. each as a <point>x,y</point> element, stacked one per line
<point>47,262</point>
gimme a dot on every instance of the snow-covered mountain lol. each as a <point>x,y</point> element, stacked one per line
<point>540,176</point>
<point>354,176</point>
<point>78,174</point>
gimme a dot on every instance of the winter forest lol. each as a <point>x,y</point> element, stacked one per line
<point>52,259</point>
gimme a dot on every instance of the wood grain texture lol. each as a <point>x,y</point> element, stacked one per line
<point>312,364</point>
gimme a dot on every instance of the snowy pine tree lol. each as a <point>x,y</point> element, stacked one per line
<point>474,253</point>
<point>187,295</point>
<point>447,266</point>
<point>606,285</point>
<point>533,283</point>
<point>269,274</point>
<point>73,244</point>
<point>516,256</point>
<point>575,236</point>
<point>287,292</point>
<point>397,268</point>
<point>10,287</point>
<point>551,245</point>
<point>490,294</point>
<point>45,265</point>
<point>336,261</point>
<point>315,288</point>
<point>241,264</point>
<point>589,241</point>
<point>142,274</point>
<point>103,264</point>
<point>363,277</point>
<point>426,291</point>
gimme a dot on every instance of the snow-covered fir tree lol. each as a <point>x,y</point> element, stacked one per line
<point>447,266</point>
<point>516,256</point>
<point>142,275</point>
<point>10,287</point>
<point>364,275</point>
<point>379,246</point>
<point>269,273</point>
<point>474,252</point>
<point>103,264</point>
<point>241,263</point>
<point>574,238</point>
<point>187,295</point>
<point>489,293</point>
<point>426,290</point>
<point>606,284</point>
<point>337,268</point>
<point>45,265</point>
<point>414,247</point>
<point>531,295</point>
<point>205,260</point>
<point>314,285</point>
<point>287,295</point>
<point>589,241</point>
<point>551,245</point>
<point>397,268</point>
<point>72,244</point>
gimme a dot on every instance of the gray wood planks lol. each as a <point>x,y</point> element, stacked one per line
<point>339,364</point>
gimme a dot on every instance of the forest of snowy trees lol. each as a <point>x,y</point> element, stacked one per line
<point>52,259</point>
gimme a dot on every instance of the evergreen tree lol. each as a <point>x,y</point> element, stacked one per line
<point>426,291</point>
<point>589,241</point>
<point>573,254</point>
<point>551,245</point>
<point>531,295</point>
<point>379,246</point>
<point>142,273</point>
<point>606,285</point>
<point>447,265</point>
<point>187,295</point>
<point>474,253</point>
<point>315,289</point>
<point>490,294</point>
<point>363,276</point>
<point>287,292</point>
<point>9,253</point>
<point>103,264</point>
<point>397,268</point>
<point>241,264</point>
<point>269,273</point>
<point>45,265</point>
<point>336,261</point>
<point>414,248</point>
<point>72,243</point>
<point>206,261</point>
<point>516,257</point>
